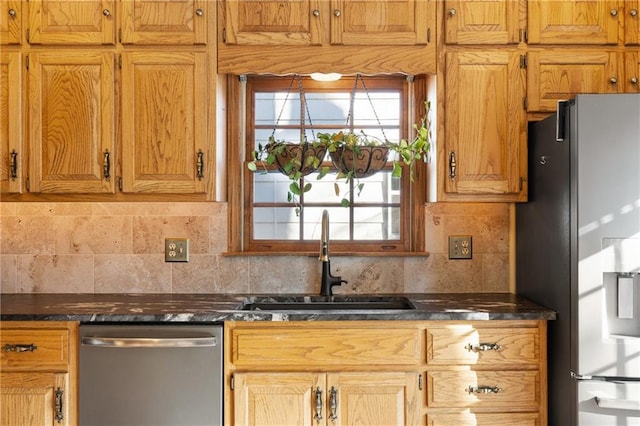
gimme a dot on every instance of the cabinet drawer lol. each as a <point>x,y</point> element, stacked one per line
<point>495,346</point>
<point>483,419</point>
<point>324,347</point>
<point>484,390</point>
<point>34,349</point>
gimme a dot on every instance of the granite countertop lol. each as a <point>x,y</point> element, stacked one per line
<point>91,308</point>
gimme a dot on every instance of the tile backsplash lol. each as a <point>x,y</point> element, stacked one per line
<point>118,247</point>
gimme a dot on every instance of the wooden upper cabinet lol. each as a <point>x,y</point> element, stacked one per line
<point>555,75</point>
<point>391,22</point>
<point>164,122</point>
<point>340,22</point>
<point>164,22</point>
<point>71,121</point>
<point>259,22</point>
<point>485,125</point>
<point>482,22</point>
<point>10,21</point>
<point>11,146</point>
<point>632,22</point>
<point>76,22</point>
<point>573,22</point>
<point>632,72</point>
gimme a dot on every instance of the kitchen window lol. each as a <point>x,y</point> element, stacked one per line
<point>383,217</point>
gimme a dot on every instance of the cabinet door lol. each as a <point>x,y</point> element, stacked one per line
<point>10,21</point>
<point>279,399</point>
<point>485,148</point>
<point>555,75</point>
<point>163,22</point>
<point>11,153</point>
<point>71,116</point>
<point>253,22</point>
<point>573,22</point>
<point>632,22</point>
<point>71,22</point>
<point>34,399</point>
<point>632,72</point>
<point>484,419</point>
<point>482,22</point>
<point>164,131</point>
<point>392,22</point>
<point>376,398</point>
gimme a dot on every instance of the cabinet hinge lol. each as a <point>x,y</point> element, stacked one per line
<point>232,383</point>
<point>120,35</point>
<point>120,184</point>
<point>428,35</point>
<point>524,35</point>
<point>521,183</point>
<point>419,381</point>
<point>224,35</point>
<point>525,104</point>
<point>523,61</point>
<point>28,184</point>
<point>26,62</point>
<point>119,61</point>
<point>28,34</point>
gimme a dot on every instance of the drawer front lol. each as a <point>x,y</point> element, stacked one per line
<point>491,390</point>
<point>465,344</point>
<point>34,349</point>
<point>324,347</point>
<point>483,419</point>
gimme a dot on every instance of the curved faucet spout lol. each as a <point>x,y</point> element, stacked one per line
<point>328,280</point>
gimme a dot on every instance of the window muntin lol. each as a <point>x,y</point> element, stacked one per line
<point>378,216</point>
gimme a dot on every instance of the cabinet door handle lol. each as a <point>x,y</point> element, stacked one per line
<point>20,347</point>
<point>199,12</point>
<point>337,13</point>
<point>613,80</point>
<point>106,165</point>
<point>633,12</point>
<point>316,12</point>
<point>634,80</point>
<point>318,397</point>
<point>483,389</point>
<point>59,395</point>
<point>13,167</point>
<point>452,12</point>
<point>452,165</point>
<point>200,165</point>
<point>333,404</point>
<point>614,12</point>
<point>483,347</point>
<point>12,13</point>
<point>106,12</point>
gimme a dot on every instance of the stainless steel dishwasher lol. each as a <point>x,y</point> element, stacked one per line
<point>155,375</point>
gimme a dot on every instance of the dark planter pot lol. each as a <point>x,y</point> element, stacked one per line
<point>364,161</point>
<point>299,154</point>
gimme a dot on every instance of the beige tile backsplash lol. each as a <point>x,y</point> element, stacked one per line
<point>119,247</point>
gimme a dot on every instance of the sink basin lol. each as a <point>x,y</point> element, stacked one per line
<point>320,303</point>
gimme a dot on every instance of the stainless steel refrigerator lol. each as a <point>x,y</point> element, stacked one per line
<point>578,252</point>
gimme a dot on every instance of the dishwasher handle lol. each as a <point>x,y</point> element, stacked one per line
<point>149,342</point>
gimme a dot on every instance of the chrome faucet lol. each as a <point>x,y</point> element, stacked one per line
<point>328,280</point>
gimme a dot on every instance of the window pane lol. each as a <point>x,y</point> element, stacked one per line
<point>376,223</point>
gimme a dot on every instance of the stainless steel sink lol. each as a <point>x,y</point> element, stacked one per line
<point>320,303</point>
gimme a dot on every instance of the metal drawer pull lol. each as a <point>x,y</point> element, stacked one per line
<point>483,389</point>
<point>20,347</point>
<point>318,396</point>
<point>333,404</point>
<point>142,342</point>
<point>59,415</point>
<point>483,347</point>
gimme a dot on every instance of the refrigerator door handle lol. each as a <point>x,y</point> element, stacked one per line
<point>583,377</point>
<point>561,115</point>
<point>618,404</point>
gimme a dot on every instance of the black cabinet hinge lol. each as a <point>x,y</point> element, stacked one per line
<point>523,61</point>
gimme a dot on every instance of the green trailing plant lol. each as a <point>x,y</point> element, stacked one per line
<point>340,145</point>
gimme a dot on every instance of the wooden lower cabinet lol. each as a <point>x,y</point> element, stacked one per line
<point>435,373</point>
<point>38,373</point>
<point>299,398</point>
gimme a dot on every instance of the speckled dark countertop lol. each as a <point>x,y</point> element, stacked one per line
<point>228,307</point>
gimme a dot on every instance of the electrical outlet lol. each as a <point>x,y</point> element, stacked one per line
<point>460,247</point>
<point>176,250</point>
